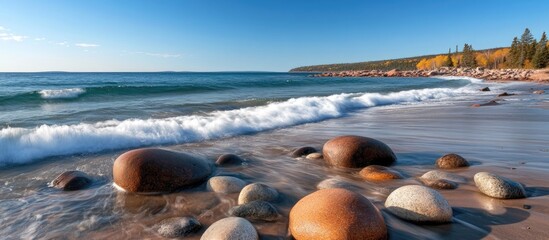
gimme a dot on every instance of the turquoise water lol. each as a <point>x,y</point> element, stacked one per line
<point>52,114</point>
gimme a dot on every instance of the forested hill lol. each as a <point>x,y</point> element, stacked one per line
<point>409,63</point>
<point>401,64</point>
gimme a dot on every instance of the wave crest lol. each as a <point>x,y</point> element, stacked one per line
<point>21,145</point>
<point>61,93</point>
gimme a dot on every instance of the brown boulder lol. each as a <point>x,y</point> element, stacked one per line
<point>303,151</point>
<point>485,89</point>
<point>379,173</point>
<point>355,152</point>
<point>228,159</point>
<point>71,180</point>
<point>451,160</point>
<point>336,214</point>
<point>150,170</point>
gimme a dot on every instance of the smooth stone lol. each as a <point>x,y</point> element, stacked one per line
<point>303,151</point>
<point>225,184</point>
<point>335,183</point>
<point>177,227</point>
<point>379,173</point>
<point>437,174</point>
<point>231,228</point>
<point>505,94</point>
<point>336,214</point>
<point>153,170</point>
<point>498,187</point>
<point>485,89</point>
<point>71,180</point>
<point>228,160</point>
<point>419,204</point>
<point>257,191</point>
<point>439,183</point>
<point>314,156</point>
<point>357,152</point>
<point>451,160</point>
<point>256,210</point>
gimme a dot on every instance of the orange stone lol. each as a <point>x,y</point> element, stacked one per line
<point>379,173</point>
<point>336,214</point>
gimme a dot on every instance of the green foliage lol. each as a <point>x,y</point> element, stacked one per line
<point>513,60</point>
<point>541,56</point>
<point>468,59</point>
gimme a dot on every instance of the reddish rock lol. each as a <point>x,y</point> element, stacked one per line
<point>451,160</point>
<point>151,170</point>
<point>336,214</point>
<point>355,152</point>
<point>71,180</point>
<point>379,173</point>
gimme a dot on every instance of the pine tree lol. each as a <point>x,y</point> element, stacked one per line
<point>541,57</point>
<point>449,62</point>
<point>514,54</point>
<point>526,43</point>
<point>468,59</point>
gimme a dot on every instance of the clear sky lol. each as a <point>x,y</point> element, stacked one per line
<point>252,35</point>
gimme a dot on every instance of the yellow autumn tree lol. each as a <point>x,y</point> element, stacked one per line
<point>482,59</point>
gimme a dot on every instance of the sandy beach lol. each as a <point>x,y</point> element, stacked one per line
<point>509,139</point>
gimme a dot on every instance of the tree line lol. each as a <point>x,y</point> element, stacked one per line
<point>525,52</point>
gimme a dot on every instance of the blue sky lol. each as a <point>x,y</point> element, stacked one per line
<point>260,35</point>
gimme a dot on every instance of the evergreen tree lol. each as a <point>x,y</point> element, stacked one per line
<point>514,54</point>
<point>527,42</point>
<point>468,59</point>
<point>541,57</point>
<point>449,62</point>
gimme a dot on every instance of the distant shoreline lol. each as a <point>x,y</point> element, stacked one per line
<point>530,75</point>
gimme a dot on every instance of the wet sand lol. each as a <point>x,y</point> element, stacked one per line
<point>511,139</point>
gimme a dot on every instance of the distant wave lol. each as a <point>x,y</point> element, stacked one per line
<point>471,79</point>
<point>61,93</point>
<point>22,145</point>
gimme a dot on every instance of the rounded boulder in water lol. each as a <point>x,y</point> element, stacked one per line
<point>303,151</point>
<point>228,160</point>
<point>71,180</point>
<point>357,152</point>
<point>257,191</point>
<point>256,210</point>
<point>379,173</point>
<point>451,160</point>
<point>231,228</point>
<point>419,204</point>
<point>225,184</point>
<point>498,187</point>
<point>336,214</point>
<point>152,170</point>
<point>178,227</point>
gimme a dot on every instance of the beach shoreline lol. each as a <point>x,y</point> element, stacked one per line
<point>497,75</point>
<point>508,139</point>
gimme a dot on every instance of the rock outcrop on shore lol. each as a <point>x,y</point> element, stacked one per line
<point>479,72</point>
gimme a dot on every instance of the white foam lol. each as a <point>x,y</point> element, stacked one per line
<point>471,79</point>
<point>21,145</point>
<point>61,93</point>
